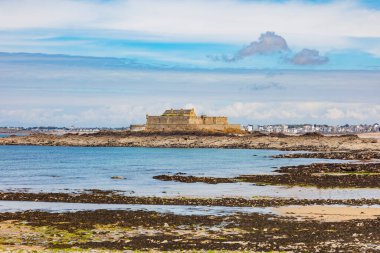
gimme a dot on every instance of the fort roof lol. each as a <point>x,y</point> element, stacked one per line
<point>179,112</point>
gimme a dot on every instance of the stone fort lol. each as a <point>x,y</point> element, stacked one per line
<point>185,120</point>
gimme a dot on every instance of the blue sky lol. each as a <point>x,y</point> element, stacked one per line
<point>108,63</point>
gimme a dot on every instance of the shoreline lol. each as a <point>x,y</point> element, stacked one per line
<point>311,142</point>
<point>297,225</point>
<point>102,230</point>
<point>109,197</point>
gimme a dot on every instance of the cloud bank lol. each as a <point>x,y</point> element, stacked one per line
<point>238,112</point>
<point>124,28</point>
<point>85,92</point>
<point>333,22</point>
<point>315,112</point>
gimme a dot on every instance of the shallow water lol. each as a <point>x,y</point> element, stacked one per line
<point>67,169</point>
<point>7,135</point>
<point>57,207</point>
<point>300,212</point>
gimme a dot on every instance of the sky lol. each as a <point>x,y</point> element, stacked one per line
<point>109,63</point>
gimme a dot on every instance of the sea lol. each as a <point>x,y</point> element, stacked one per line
<point>76,169</point>
<point>3,135</point>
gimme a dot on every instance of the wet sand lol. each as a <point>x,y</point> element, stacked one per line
<point>330,213</point>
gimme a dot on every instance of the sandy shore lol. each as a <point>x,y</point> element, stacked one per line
<point>370,135</point>
<point>330,213</point>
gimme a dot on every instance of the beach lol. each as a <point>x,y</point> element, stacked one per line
<point>170,192</point>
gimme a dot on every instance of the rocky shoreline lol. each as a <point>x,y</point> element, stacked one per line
<point>322,175</point>
<point>345,155</point>
<point>141,230</point>
<point>103,230</point>
<point>310,142</point>
<point>109,197</point>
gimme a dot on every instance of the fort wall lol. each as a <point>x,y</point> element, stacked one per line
<point>186,123</point>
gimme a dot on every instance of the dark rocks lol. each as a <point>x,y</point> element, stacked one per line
<point>240,232</point>
<point>313,135</point>
<point>118,177</point>
<point>342,155</point>
<point>113,197</point>
<point>322,175</point>
<point>192,179</point>
<point>363,168</point>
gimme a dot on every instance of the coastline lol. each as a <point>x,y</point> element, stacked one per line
<point>110,197</point>
<point>126,231</point>
<point>101,230</point>
<point>311,142</point>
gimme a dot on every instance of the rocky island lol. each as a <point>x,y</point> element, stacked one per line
<point>200,139</point>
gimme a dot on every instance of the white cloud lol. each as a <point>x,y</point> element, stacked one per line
<point>226,20</point>
<point>335,114</point>
<point>239,112</point>
<point>302,112</point>
<point>103,116</point>
<point>90,95</point>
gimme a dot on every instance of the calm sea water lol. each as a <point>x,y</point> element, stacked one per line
<point>66,169</point>
<point>7,135</point>
<point>20,206</point>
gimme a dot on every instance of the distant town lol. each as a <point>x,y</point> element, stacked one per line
<point>276,128</point>
<point>310,128</point>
